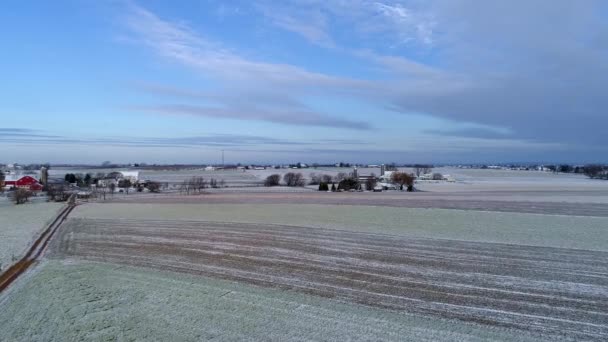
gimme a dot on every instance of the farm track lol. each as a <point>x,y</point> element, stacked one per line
<point>422,200</point>
<point>553,291</point>
<point>35,251</point>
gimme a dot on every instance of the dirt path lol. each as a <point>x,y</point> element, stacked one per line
<point>553,291</point>
<point>37,248</point>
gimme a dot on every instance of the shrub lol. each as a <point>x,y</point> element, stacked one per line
<point>153,186</point>
<point>323,187</point>
<point>348,184</point>
<point>437,176</point>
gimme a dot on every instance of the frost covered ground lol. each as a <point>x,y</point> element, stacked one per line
<point>552,291</point>
<point>85,301</point>
<point>516,228</point>
<point>20,225</point>
<point>515,265</point>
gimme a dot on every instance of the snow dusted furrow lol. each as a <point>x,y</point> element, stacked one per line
<point>552,291</point>
<point>495,202</point>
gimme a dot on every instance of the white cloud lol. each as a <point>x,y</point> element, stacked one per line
<point>535,70</point>
<point>309,23</point>
<point>399,24</point>
<point>272,88</point>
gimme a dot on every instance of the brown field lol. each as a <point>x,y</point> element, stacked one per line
<point>550,291</point>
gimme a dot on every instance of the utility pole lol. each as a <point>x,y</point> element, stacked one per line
<point>222,158</point>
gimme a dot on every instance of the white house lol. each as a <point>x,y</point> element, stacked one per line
<point>115,177</point>
<point>133,176</point>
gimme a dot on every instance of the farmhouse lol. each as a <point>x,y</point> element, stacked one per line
<point>133,176</point>
<point>24,182</point>
<point>115,177</point>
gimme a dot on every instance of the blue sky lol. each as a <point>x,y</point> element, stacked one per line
<point>304,80</point>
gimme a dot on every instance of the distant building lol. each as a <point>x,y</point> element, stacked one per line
<point>133,176</point>
<point>115,177</point>
<point>428,176</point>
<point>386,176</point>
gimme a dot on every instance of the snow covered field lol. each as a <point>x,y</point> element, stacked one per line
<point>514,265</point>
<point>473,180</point>
<point>20,225</point>
<point>85,301</point>
<point>529,229</point>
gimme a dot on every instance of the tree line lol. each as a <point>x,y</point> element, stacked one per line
<point>196,185</point>
<point>593,171</point>
<point>344,181</point>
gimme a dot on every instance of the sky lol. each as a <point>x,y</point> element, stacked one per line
<point>458,81</point>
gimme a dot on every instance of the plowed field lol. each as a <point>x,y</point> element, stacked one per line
<point>560,293</point>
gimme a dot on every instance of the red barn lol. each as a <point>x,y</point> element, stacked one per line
<point>26,182</point>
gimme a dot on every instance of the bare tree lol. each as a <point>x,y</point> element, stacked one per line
<point>197,184</point>
<point>340,177</point>
<point>102,190</point>
<point>272,180</point>
<point>326,179</point>
<point>370,182</point>
<point>126,184</point>
<point>299,180</point>
<point>314,179</point>
<point>420,169</point>
<point>402,179</point>
<point>21,195</point>
<point>56,192</point>
<point>112,187</point>
<point>294,179</point>
<point>184,187</point>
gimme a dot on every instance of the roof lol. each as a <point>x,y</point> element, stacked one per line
<point>130,174</point>
<point>20,179</point>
